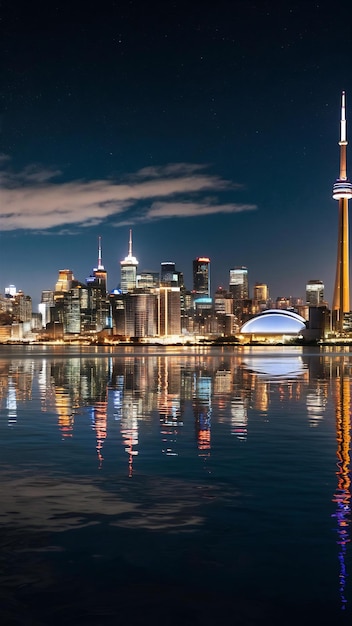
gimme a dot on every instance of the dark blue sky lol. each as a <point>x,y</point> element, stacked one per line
<point>210,130</point>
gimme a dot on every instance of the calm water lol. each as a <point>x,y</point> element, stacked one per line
<point>174,486</point>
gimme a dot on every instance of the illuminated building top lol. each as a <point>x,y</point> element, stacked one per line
<point>129,259</point>
<point>129,270</point>
<point>201,275</point>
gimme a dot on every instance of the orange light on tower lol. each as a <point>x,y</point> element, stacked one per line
<point>342,191</point>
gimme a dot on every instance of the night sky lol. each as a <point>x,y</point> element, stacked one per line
<point>208,128</point>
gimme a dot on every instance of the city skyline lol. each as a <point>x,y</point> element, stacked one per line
<point>175,123</point>
<point>139,274</point>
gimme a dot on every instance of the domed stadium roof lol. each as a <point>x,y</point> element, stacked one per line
<point>274,322</point>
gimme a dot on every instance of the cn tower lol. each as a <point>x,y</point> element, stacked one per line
<point>342,191</point>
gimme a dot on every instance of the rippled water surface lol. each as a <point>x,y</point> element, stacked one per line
<point>175,486</point>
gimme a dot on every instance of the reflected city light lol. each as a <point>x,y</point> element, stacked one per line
<point>169,407</point>
<point>342,497</point>
<point>129,429</point>
<point>11,403</point>
<point>99,419</point>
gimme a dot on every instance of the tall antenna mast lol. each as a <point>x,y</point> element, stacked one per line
<point>100,264</point>
<point>343,139</point>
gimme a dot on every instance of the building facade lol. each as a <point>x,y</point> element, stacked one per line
<point>238,283</point>
<point>315,293</point>
<point>168,311</point>
<point>201,276</point>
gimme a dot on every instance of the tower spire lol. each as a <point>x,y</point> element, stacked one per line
<point>100,264</point>
<point>130,244</point>
<point>342,191</point>
<point>343,139</point>
<point>128,269</point>
<point>343,119</point>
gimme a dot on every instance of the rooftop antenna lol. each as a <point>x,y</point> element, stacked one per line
<point>130,244</point>
<point>100,264</point>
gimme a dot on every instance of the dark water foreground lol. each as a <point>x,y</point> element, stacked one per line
<point>175,487</point>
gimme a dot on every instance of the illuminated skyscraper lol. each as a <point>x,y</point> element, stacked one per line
<point>168,311</point>
<point>342,191</point>
<point>70,300</point>
<point>64,282</point>
<point>201,276</point>
<point>148,280</point>
<point>129,270</point>
<point>168,273</point>
<point>99,276</point>
<point>260,297</point>
<point>315,293</point>
<point>261,292</point>
<point>139,315</point>
<point>22,307</point>
<point>238,285</point>
<point>98,306</point>
<point>47,301</point>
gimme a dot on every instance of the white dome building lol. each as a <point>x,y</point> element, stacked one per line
<point>273,326</point>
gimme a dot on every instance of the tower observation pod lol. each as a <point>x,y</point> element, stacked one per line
<point>342,192</point>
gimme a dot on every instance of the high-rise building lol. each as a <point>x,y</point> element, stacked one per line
<point>22,307</point>
<point>98,312</point>
<point>168,311</point>
<point>73,305</point>
<point>260,292</point>
<point>128,270</point>
<point>99,275</point>
<point>47,302</point>
<point>148,280</point>
<point>238,284</point>
<point>315,293</point>
<point>220,301</point>
<point>168,273</point>
<point>260,297</point>
<point>64,281</point>
<point>139,314</point>
<point>70,303</point>
<point>342,191</point>
<point>201,276</point>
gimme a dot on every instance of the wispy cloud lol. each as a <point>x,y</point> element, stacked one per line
<point>35,199</point>
<point>160,210</point>
<point>172,169</point>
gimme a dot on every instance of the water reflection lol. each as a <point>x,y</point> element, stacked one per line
<point>11,402</point>
<point>129,428</point>
<point>342,496</point>
<point>201,402</point>
<point>232,388</point>
<point>277,368</point>
<point>149,406</point>
<point>169,406</point>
